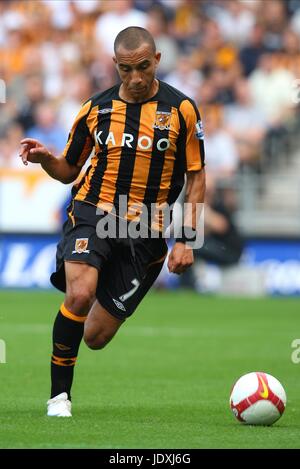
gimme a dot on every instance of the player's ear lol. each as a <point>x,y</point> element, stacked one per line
<point>157,58</point>
<point>115,60</point>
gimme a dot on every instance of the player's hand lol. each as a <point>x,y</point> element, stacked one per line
<point>181,258</point>
<point>33,151</point>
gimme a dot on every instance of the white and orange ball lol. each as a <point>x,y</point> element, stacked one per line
<point>257,398</point>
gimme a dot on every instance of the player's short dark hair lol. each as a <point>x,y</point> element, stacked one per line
<point>132,37</point>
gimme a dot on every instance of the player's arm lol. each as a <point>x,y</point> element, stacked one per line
<point>181,256</point>
<point>194,197</point>
<point>57,167</point>
<point>192,149</point>
<point>67,167</point>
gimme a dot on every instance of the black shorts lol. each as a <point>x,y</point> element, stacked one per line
<point>127,267</point>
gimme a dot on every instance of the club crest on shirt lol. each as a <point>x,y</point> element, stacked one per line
<point>162,120</point>
<point>81,245</point>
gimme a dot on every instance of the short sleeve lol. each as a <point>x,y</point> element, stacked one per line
<point>192,136</point>
<point>80,142</point>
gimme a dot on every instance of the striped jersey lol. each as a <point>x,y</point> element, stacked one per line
<point>141,150</point>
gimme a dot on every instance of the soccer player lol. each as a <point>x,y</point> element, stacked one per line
<point>145,136</point>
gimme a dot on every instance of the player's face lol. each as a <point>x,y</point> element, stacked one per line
<point>137,71</point>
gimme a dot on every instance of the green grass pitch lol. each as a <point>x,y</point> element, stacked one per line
<point>163,381</point>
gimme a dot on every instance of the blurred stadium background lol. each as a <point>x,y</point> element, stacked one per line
<point>240,62</point>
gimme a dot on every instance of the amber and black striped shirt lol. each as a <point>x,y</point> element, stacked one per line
<point>141,150</point>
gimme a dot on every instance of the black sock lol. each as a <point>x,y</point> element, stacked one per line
<point>67,335</point>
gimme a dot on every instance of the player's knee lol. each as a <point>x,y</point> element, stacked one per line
<point>96,342</point>
<point>80,300</point>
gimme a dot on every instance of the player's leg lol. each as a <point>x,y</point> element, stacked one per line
<point>100,327</point>
<point>123,283</point>
<point>79,258</point>
<point>81,282</point>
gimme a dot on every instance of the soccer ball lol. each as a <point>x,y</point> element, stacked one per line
<point>257,398</point>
